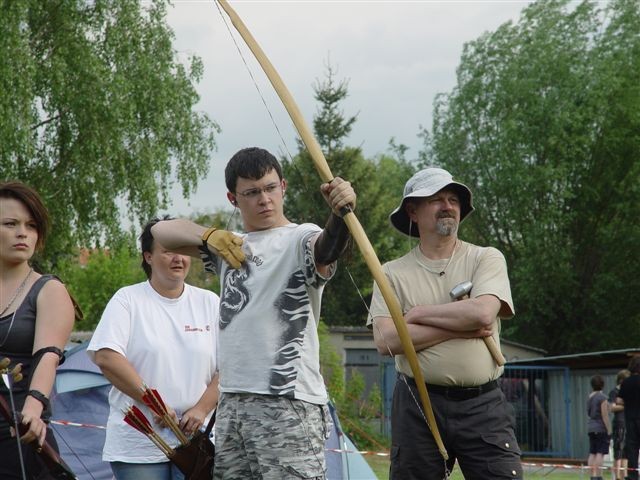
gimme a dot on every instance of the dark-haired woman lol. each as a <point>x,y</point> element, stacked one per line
<point>36,318</point>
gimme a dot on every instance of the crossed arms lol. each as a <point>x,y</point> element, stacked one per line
<point>429,325</point>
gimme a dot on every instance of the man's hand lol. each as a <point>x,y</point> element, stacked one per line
<point>338,194</point>
<point>479,333</point>
<point>226,245</point>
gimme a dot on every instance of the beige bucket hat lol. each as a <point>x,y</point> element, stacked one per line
<point>425,183</point>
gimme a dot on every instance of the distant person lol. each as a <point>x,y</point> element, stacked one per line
<point>618,427</point>
<point>36,318</point>
<point>598,427</point>
<point>476,421</point>
<point>162,333</point>
<point>629,397</point>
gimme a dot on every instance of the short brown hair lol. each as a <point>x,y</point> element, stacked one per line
<point>597,382</point>
<point>30,199</point>
<point>147,240</point>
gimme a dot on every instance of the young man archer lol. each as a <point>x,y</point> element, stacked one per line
<point>272,419</point>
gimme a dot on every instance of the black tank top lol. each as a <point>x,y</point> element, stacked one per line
<point>18,346</point>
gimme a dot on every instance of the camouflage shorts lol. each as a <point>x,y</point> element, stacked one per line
<point>269,438</point>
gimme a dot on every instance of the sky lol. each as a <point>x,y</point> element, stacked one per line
<point>396,56</point>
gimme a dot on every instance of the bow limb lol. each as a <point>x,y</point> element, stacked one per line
<point>350,218</point>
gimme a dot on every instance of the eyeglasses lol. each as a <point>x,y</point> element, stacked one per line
<point>254,193</point>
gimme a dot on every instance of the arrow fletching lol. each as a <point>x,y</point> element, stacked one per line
<point>153,400</point>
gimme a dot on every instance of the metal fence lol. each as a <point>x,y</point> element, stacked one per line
<point>541,402</point>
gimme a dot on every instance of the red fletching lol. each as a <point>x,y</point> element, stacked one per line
<point>135,418</point>
<point>133,423</point>
<point>141,417</point>
<point>152,399</point>
<point>157,396</point>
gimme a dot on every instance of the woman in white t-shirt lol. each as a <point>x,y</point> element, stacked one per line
<point>162,333</point>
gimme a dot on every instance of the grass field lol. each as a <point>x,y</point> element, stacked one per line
<point>380,465</point>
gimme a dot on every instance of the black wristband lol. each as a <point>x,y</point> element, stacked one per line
<point>38,395</point>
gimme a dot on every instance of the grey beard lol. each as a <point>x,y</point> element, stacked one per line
<point>446,227</point>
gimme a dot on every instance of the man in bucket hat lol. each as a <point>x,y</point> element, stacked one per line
<point>472,414</point>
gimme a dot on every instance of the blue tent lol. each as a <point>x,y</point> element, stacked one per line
<point>80,397</point>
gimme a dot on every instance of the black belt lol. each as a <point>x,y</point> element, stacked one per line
<point>457,393</point>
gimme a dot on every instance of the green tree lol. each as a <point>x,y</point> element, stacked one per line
<point>378,183</point>
<point>330,125</point>
<point>98,113</point>
<point>359,415</point>
<point>98,277</point>
<point>544,126</point>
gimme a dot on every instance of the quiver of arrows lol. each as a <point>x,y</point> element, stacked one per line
<point>194,457</point>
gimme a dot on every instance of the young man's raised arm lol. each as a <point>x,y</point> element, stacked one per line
<point>179,235</point>
<point>184,236</point>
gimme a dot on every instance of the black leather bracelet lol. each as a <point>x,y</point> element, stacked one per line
<point>38,395</point>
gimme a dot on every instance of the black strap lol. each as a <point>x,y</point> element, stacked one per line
<point>38,355</point>
<point>41,397</point>
<point>212,420</point>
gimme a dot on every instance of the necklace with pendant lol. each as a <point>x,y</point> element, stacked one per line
<point>15,295</point>
<point>442,272</point>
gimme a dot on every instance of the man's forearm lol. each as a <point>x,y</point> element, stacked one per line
<point>461,316</point>
<point>422,336</point>
<point>179,235</point>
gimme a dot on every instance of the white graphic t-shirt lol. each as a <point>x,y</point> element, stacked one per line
<point>269,313</point>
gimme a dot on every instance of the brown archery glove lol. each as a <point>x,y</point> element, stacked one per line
<point>226,245</point>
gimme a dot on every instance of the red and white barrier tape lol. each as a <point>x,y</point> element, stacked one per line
<point>381,454</point>
<point>363,452</point>
<point>74,424</point>
<point>573,467</point>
